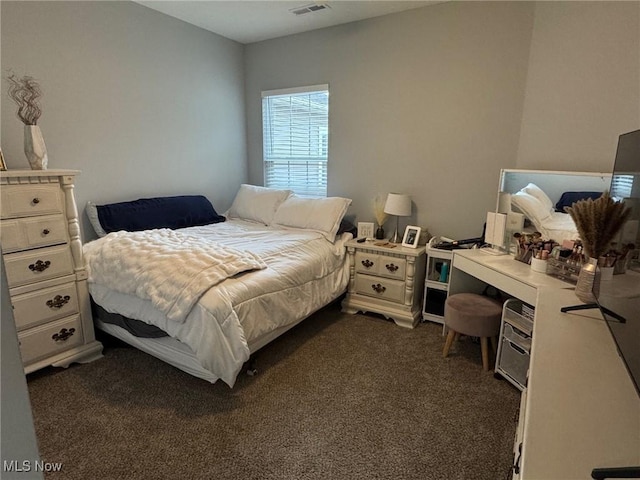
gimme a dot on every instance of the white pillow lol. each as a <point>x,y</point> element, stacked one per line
<point>257,204</point>
<point>535,191</point>
<point>532,208</point>
<point>322,215</point>
<point>92,214</point>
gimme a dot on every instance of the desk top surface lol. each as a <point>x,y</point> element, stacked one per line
<point>507,265</point>
<point>582,411</point>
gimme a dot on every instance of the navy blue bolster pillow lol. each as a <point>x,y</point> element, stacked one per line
<point>569,198</point>
<point>160,212</point>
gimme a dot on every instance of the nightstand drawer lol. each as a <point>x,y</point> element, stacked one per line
<point>50,339</point>
<point>41,264</point>
<point>387,289</point>
<point>367,262</point>
<point>392,267</point>
<point>41,306</point>
<point>27,233</point>
<point>24,201</point>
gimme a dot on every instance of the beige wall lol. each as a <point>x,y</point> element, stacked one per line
<point>435,101</point>
<point>583,84</point>
<point>432,102</point>
<point>142,103</point>
<point>426,102</point>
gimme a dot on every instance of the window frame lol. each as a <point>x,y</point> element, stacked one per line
<point>283,170</point>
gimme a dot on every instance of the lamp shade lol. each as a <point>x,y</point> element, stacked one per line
<point>398,204</point>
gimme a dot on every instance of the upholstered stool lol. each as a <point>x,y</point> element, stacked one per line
<point>473,315</point>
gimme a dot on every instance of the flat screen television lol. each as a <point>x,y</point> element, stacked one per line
<point>620,303</point>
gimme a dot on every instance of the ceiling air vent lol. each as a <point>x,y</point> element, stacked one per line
<point>312,7</point>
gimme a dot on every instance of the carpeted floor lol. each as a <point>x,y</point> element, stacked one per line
<point>338,397</point>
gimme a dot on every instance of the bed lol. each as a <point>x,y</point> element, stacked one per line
<point>288,256</point>
<point>542,195</point>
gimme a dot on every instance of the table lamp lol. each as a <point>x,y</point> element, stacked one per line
<point>397,204</point>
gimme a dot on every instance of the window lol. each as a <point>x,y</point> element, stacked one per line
<point>295,127</point>
<point>621,185</point>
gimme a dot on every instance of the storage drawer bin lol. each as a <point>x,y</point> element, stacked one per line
<point>514,361</point>
<point>435,300</point>
<point>517,337</point>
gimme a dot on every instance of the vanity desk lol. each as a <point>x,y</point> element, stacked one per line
<point>580,409</point>
<point>474,269</point>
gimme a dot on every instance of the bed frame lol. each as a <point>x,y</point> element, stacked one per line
<point>178,354</point>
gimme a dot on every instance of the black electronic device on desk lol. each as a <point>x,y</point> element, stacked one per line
<point>448,244</point>
<point>456,244</point>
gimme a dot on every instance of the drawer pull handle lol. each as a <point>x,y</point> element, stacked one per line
<point>378,288</point>
<point>58,302</point>
<point>392,268</point>
<point>46,231</point>
<point>367,263</point>
<point>40,266</point>
<point>63,335</point>
<point>35,201</point>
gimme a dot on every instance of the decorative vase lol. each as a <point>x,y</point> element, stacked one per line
<point>380,233</point>
<point>34,148</point>
<point>588,286</point>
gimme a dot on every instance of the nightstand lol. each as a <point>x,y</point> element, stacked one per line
<point>386,280</point>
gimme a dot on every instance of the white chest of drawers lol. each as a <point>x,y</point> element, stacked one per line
<point>42,252</point>
<point>387,281</point>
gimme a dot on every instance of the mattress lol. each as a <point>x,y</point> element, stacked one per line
<point>304,272</point>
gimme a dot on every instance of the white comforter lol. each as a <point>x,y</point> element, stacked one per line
<point>304,272</point>
<point>170,268</point>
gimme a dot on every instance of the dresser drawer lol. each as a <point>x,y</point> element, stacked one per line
<point>370,263</point>
<point>387,289</point>
<point>26,233</point>
<point>36,265</point>
<point>50,339</point>
<point>41,306</point>
<point>23,201</point>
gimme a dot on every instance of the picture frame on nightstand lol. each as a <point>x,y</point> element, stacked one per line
<point>411,236</point>
<point>365,229</point>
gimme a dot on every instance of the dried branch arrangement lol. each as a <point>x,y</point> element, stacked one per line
<point>25,92</point>
<point>378,210</point>
<point>598,221</point>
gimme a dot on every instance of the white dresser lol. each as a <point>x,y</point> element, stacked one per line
<point>386,280</point>
<point>42,252</point>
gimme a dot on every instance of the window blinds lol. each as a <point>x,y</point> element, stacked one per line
<point>295,126</point>
<point>621,185</point>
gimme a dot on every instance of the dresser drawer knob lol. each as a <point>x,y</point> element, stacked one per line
<point>35,201</point>
<point>63,335</point>
<point>46,231</point>
<point>367,263</point>
<point>392,268</point>
<point>378,288</point>
<point>40,266</point>
<point>58,302</point>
